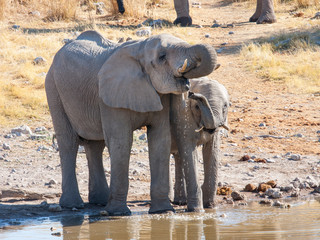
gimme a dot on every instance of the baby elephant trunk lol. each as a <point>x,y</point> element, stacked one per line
<point>208,121</point>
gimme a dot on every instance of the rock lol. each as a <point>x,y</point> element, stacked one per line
<point>298,135</point>
<point>250,187</point>
<point>15,27</point>
<point>128,39</point>
<point>39,60</point>
<point>40,129</point>
<point>270,160</point>
<point>145,32</point>
<point>272,183</point>
<point>237,196</point>
<point>262,125</point>
<point>295,193</point>
<point>295,157</point>
<point>231,32</point>
<point>229,201</point>
<point>223,44</point>
<point>263,187</point>
<point>55,208</point>
<point>145,149</point>
<point>223,215</point>
<point>274,193</point>
<point>37,137</point>
<point>251,161</point>
<point>66,40</point>
<point>35,13</point>
<point>143,136</point>
<point>224,191</point>
<point>215,25</point>
<point>228,165</point>
<point>6,146</point>
<point>207,35</point>
<point>21,129</point>
<point>247,137</point>
<point>266,202</point>
<point>317,189</point>
<point>245,158</point>
<point>121,40</point>
<point>230,25</point>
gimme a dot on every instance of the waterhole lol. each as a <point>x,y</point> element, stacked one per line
<point>254,221</point>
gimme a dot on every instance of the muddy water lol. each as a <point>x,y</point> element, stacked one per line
<point>301,221</point>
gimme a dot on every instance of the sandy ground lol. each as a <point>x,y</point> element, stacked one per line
<point>30,169</point>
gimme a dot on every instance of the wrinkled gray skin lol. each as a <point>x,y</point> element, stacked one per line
<point>196,121</point>
<point>99,92</point>
<point>264,12</point>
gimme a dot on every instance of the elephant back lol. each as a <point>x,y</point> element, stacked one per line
<point>97,38</point>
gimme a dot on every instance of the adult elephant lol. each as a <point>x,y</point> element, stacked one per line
<point>264,12</point>
<point>99,92</point>
<point>196,121</point>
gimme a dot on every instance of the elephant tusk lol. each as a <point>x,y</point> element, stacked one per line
<point>199,129</point>
<point>225,127</point>
<point>184,66</point>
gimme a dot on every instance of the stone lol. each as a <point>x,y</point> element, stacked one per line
<point>35,13</point>
<point>40,129</point>
<point>263,187</point>
<point>295,193</point>
<point>143,136</point>
<point>230,25</point>
<point>37,137</point>
<point>145,32</point>
<point>298,135</point>
<point>237,196</point>
<point>231,32</point>
<point>215,25</point>
<point>272,183</point>
<point>207,35</point>
<point>262,125</point>
<point>128,39</point>
<point>39,60</point>
<point>66,40</point>
<point>274,193</point>
<point>15,27</point>
<point>295,157</point>
<point>55,208</point>
<point>245,158</point>
<point>317,15</point>
<point>21,129</point>
<point>228,165</point>
<point>219,50</point>
<point>6,146</point>
<point>270,160</point>
<point>266,202</point>
<point>250,187</point>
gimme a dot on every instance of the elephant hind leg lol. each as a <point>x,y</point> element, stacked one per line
<point>98,186</point>
<point>68,142</point>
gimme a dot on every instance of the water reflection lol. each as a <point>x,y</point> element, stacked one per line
<point>301,221</point>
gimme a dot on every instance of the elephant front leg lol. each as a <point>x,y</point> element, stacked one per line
<point>119,150</point>
<point>159,142</point>
<point>210,153</point>
<point>98,186</point>
<point>180,196</point>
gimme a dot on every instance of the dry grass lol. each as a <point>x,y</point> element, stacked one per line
<point>62,10</point>
<point>292,58</point>
<point>3,5</point>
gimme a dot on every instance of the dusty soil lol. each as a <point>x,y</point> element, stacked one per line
<point>29,166</point>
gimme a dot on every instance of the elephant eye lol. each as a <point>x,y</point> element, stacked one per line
<point>162,57</point>
<point>197,106</point>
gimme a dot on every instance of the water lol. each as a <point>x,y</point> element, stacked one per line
<point>301,221</point>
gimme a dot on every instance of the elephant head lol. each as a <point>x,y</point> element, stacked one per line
<point>209,112</point>
<point>159,65</point>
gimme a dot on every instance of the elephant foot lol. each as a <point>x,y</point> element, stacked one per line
<point>99,199</point>
<point>180,201</point>
<point>253,19</point>
<point>118,209</point>
<point>210,205</point>
<point>268,18</point>
<point>183,21</point>
<point>194,209</point>
<point>158,207</point>
<point>68,201</point>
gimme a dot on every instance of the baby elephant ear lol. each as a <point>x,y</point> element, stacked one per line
<point>124,84</point>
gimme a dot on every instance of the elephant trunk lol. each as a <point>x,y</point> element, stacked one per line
<point>203,60</point>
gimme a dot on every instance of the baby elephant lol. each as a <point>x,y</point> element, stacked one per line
<point>206,112</point>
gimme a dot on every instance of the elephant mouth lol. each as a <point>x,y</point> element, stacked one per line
<point>184,82</point>
<point>210,131</point>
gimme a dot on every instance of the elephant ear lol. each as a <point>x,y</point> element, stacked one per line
<point>124,84</point>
